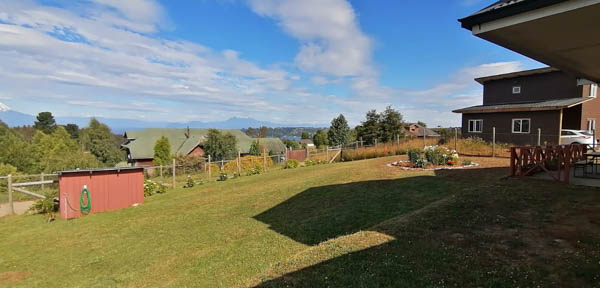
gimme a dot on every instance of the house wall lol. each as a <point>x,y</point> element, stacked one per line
<point>197,152</point>
<point>548,121</point>
<point>590,110</point>
<point>538,87</point>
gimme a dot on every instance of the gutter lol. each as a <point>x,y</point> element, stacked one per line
<point>505,11</point>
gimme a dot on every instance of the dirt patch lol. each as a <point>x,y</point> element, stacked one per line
<point>14,276</point>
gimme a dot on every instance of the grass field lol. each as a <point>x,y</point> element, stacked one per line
<point>356,224</point>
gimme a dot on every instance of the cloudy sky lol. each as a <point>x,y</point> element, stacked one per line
<point>284,61</point>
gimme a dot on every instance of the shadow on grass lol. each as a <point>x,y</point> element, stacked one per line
<point>446,246</point>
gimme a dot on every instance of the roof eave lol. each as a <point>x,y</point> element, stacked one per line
<point>507,11</point>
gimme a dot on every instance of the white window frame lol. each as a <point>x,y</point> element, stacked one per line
<point>512,128</point>
<point>474,121</point>
<point>516,89</point>
<point>593,90</point>
<point>591,125</point>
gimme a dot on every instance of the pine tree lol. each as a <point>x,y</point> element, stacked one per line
<point>45,122</point>
<point>162,151</point>
<point>338,132</point>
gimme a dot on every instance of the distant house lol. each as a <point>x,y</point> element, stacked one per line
<point>309,143</point>
<point>416,130</point>
<point>518,104</point>
<point>139,144</point>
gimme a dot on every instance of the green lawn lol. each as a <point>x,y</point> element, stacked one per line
<point>357,224</point>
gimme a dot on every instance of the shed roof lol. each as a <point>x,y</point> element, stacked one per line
<point>140,143</point>
<point>529,106</point>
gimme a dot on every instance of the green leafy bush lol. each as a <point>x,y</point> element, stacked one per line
<point>189,182</point>
<point>48,205</point>
<point>290,164</point>
<point>414,155</point>
<point>151,188</point>
<point>223,177</point>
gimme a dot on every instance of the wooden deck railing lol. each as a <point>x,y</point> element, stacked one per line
<point>556,161</point>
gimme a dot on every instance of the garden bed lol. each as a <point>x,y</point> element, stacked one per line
<point>407,165</point>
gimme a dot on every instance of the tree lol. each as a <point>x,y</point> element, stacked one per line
<point>73,130</point>
<point>45,122</point>
<point>391,125</point>
<point>338,132</point>
<point>370,130</point>
<point>305,135</point>
<point>220,146</point>
<point>254,149</point>
<point>162,151</point>
<point>99,140</point>
<point>321,139</point>
<point>291,144</point>
<point>57,151</point>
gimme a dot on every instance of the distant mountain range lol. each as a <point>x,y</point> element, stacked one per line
<point>14,118</point>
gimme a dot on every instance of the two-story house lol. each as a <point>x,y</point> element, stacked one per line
<point>522,105</point>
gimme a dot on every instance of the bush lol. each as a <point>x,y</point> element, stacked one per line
<point>44,206</point>
<point>223,177</point>
<point>414,155</point>
<point>151,188</point>
<point>190,182</point>
<point>290,164</point>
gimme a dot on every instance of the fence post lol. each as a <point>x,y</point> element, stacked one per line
<point>209,167</point>
<point>239,159</point>
<point>375,142</point>
<point>456,139</point>
<point>327,152</point>
<point>265,160</point>
<point>10,198</point>
<point>494,142</point>
<point>539,140</point>
<point>161,171</point>
<point>173,173</point>
<point>361,142</point>
<point>397,139</point>
<point>307,153</point>
<point>42,178</point>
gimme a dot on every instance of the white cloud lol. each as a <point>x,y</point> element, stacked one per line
<point>331,40</point>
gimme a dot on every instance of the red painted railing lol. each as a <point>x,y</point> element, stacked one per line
<point>557,161</point>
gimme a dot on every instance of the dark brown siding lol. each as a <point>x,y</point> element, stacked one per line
<point>539,87</point>
<point>548,121</point>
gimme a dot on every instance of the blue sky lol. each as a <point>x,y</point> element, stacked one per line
<point>288,61</point>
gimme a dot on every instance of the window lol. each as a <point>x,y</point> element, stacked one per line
<point>591,124</point>
<point>475,126</point>
<point>516,89</point>
<point>593,90</point>
<point>521,125</point>
<point>566,133</point>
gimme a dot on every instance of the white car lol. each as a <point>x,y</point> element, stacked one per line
<point>576,137</point>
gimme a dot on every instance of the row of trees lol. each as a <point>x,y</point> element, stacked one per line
<point>377,127</point>
<point>47,147</point>
<point>218,145</point>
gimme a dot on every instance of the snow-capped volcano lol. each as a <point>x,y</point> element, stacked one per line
<point>4,107</point>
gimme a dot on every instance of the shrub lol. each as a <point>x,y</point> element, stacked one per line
<point>290,164</point>
<point>223,177</point>
<point>414,155</point>
<point>189,182</point>
<point>44,206</point>
<point>151,188</point>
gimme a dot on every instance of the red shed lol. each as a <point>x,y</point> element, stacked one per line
<point>110,189</point>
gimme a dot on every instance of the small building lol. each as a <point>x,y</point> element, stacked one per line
<point>308,142</point>
<point>139,144</point>
<point>518,104</point>
<point>416,130</point>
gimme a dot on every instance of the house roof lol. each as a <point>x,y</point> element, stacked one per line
<point>140,143</point>
<point>502,9</point>
<point>529,106</point>
<point>482,80</point>
<point>274,145</point>
<point>422,130</point>
<point>306,141</point>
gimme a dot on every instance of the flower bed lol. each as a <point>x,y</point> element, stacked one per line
<point>432,158</point>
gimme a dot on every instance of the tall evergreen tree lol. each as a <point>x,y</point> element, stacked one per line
<point>45,122</point>
<point>162,151</point>
<point>73,130</point>
<point>370,129</point>
<point>338,132</point>
<point>391,125</point>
